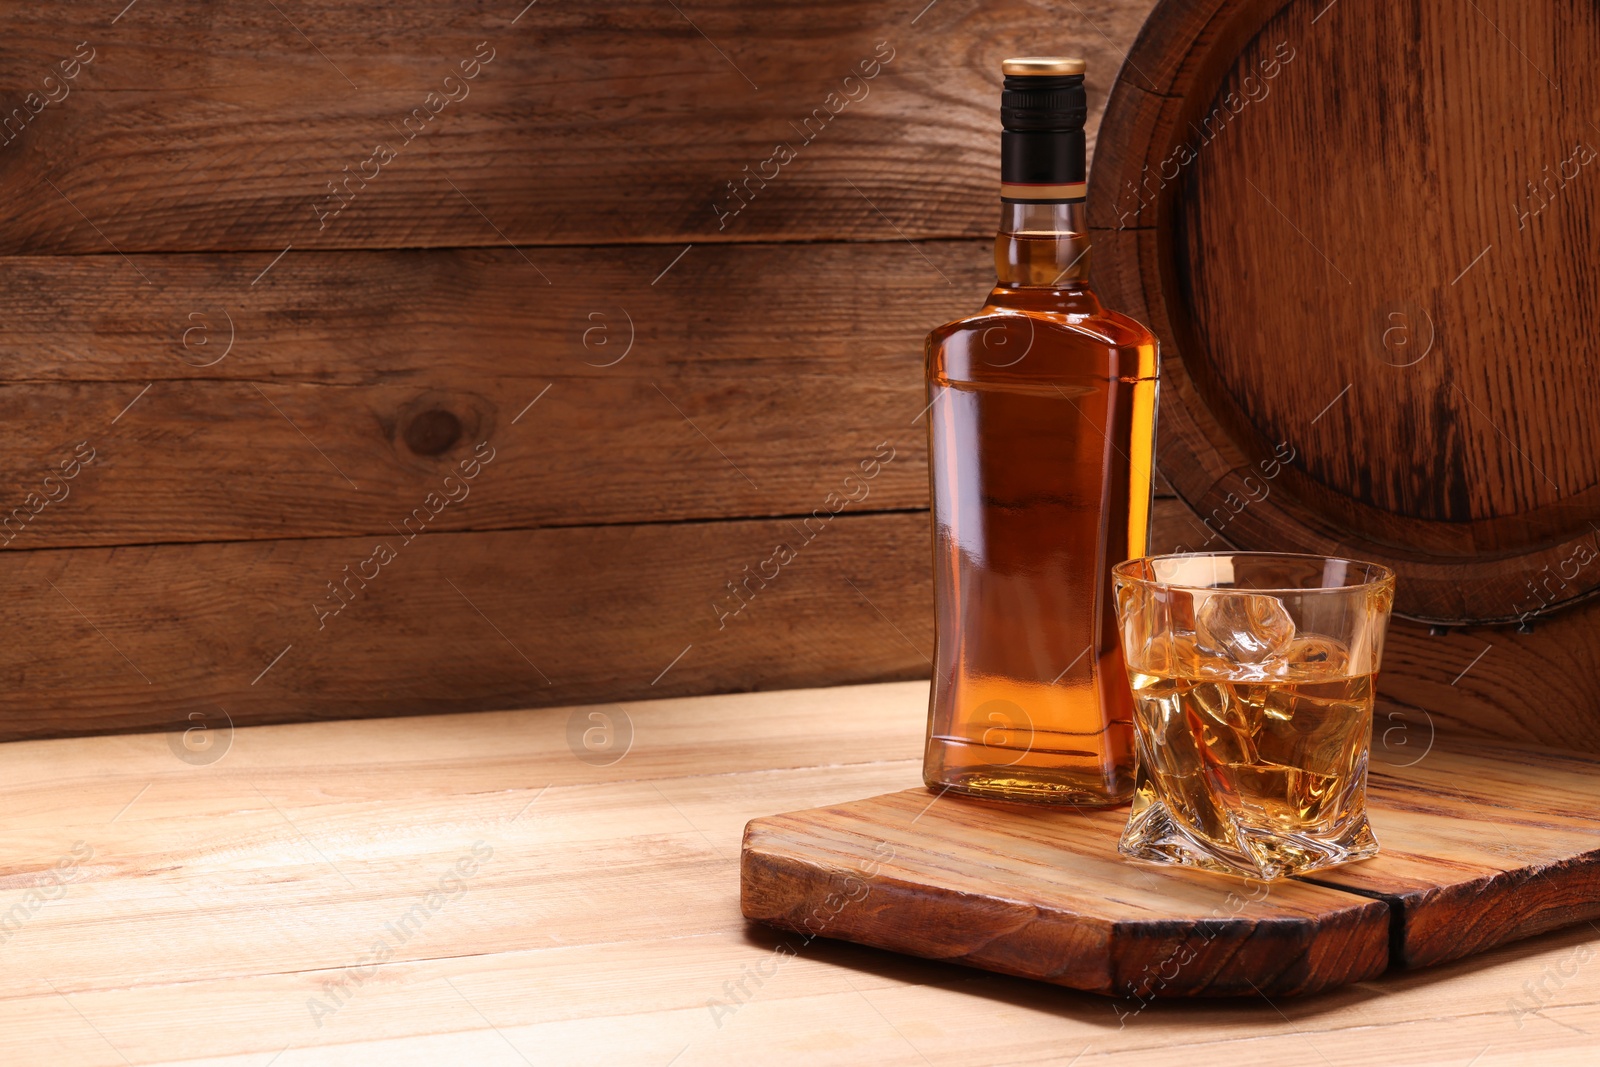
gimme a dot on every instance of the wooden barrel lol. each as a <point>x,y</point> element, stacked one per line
<point>1366,234</point>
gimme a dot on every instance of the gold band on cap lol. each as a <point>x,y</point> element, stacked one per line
<point>1044,191</point>
<point>1056,66</point>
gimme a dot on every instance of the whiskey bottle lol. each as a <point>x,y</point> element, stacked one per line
<point>1041,445</point>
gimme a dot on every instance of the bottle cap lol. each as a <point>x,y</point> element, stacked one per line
<point>1043,109</point>
<point>1041,65</point>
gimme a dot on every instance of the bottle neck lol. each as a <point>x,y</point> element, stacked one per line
<point>1042,245</point>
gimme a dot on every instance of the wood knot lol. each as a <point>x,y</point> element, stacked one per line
<point>432,432</point>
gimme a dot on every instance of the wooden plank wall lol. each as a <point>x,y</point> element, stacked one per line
<point>364,359</point>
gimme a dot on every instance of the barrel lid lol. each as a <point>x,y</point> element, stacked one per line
<point>1379,309</point>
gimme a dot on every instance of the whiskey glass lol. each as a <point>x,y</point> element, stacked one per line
<point>1253,677</point>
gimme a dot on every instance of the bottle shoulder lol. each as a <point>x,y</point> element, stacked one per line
<point>1120,329</point>
<point>1042,335</point>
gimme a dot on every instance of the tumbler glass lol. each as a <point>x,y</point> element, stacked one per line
<point>1253,677</point>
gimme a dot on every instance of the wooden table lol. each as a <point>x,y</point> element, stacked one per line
<point>467,889</point>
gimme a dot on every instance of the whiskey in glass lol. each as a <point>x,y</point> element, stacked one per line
<point>1253,678</point>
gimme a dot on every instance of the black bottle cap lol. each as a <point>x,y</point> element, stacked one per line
<point>1043,149</point>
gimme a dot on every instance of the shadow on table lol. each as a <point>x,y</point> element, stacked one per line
<point>1117,1013</point>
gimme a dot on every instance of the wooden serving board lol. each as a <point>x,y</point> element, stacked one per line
<point>1480,847</point>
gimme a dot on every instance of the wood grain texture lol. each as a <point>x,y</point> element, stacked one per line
<point>602,610</point>
<point>1480,845</point>
<point>198,126</point>
<point>215,908</point>
<point>1491,681</point>
<point>1510,439</point>
<point>1340,279</point>
<point>291,409</point>
<point>138,637</point>
<point>363,318</point>
<point>210,131</point>
<point>1043,894</point>
<point>1536,687</point>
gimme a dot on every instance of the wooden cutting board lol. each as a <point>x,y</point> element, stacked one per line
<point>1480,846</point>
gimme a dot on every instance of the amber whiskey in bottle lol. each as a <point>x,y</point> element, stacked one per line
<point>1042,411</point>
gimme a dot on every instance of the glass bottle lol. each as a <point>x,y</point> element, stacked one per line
<point>1042,438</point>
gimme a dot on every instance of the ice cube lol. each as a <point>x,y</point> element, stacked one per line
<point>1324,732</point>
<point>1247,628</point>
<point>1157,657</point>
<point>1315,654</point>
<point>1278,705</point>
<point>1216,702</point>
<point>1224,722</point>
<point>1165,736</point>
<point>1254,701</point>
